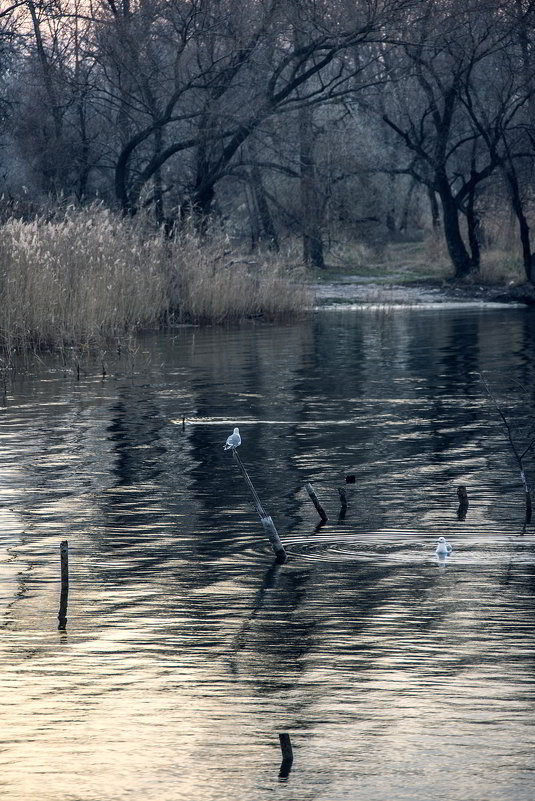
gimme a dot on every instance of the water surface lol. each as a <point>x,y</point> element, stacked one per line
<point>187,650</point>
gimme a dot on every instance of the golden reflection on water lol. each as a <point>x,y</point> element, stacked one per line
<point>187,651</point>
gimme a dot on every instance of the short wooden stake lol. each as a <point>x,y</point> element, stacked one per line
<point>315,500</point>
<point>343,499</point>
<point>287,755</point>
<point>64,560</point>
<point>265,519</point>
<point>463,502</point>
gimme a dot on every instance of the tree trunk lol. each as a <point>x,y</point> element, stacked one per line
<point>267,229</point>
<point>458,253</point>
<point>472,221</point>
<point>404,223</point>
<point>310,205</point>
<point>201,200</point>
<point>254,221</point>
<point>518,208</point>
<point>525,37</point>
<point>435,210</point>
<point>158,189</point>
<point>201,203</point>
<point>56,163</point>
<point>84,167</point>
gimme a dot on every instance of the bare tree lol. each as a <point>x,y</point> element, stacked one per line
<point>456,109</point>
<point>233,71</point>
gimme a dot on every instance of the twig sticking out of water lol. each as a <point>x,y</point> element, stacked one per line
<point>519,452</point>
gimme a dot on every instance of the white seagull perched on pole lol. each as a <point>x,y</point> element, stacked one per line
<point>443,547</point>
<point>233,441</point>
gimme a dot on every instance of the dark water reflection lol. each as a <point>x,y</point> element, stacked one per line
<point>187,650</point>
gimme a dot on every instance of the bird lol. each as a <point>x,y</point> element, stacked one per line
<point>233,441</point>
<point>443,547</point>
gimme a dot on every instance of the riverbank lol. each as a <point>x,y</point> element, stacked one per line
<point>351,290</point>
<point>416,273</point>
<point>86,277</point>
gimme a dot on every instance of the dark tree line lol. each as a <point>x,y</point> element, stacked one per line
<point>320,119</point>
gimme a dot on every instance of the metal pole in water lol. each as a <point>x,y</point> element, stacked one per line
<point>64,560</point>
<point>265,519</point>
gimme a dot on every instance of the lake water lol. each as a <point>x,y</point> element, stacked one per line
<point>398,675</point>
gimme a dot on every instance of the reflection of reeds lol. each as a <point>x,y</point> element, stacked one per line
<point>92,275</point>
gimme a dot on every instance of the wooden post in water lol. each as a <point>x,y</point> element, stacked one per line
<point>463,502</point>
<point>287,755</point>
<point>343,501</point>
<point>315,500</point>
<point>265,519</point>
<point>64,560</point>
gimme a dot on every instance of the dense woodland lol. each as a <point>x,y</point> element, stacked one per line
<point>328,121</point>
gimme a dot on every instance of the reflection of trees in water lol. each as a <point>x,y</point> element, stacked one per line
<point>450,427</point>
<point>133,435</point>
<point>324,618</point>
<point>252,382</point>
<point>180,512</point>
<point>134,510</point>
<point>406,383</point>
<point>275,637</point>
<point>134,432</point>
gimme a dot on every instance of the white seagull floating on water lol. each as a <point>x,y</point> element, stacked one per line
<point>233,441</point>
<point>443,547</point>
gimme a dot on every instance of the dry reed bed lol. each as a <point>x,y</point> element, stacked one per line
<point>93,275</point>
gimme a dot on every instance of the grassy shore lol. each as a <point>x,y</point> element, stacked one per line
<point>92,275</point>
<point>422,262</point>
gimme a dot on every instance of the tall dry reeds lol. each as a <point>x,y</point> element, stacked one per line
<point>213,283</point>
<point>92,275</point>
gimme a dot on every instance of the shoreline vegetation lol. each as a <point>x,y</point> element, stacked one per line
<point>87,277</point>
<point>92,276</point>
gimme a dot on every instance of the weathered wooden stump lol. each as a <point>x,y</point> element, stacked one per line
<point>315,500</point>
<point>287,755</point>
<point>64,596</point>
<point>463,502</point>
